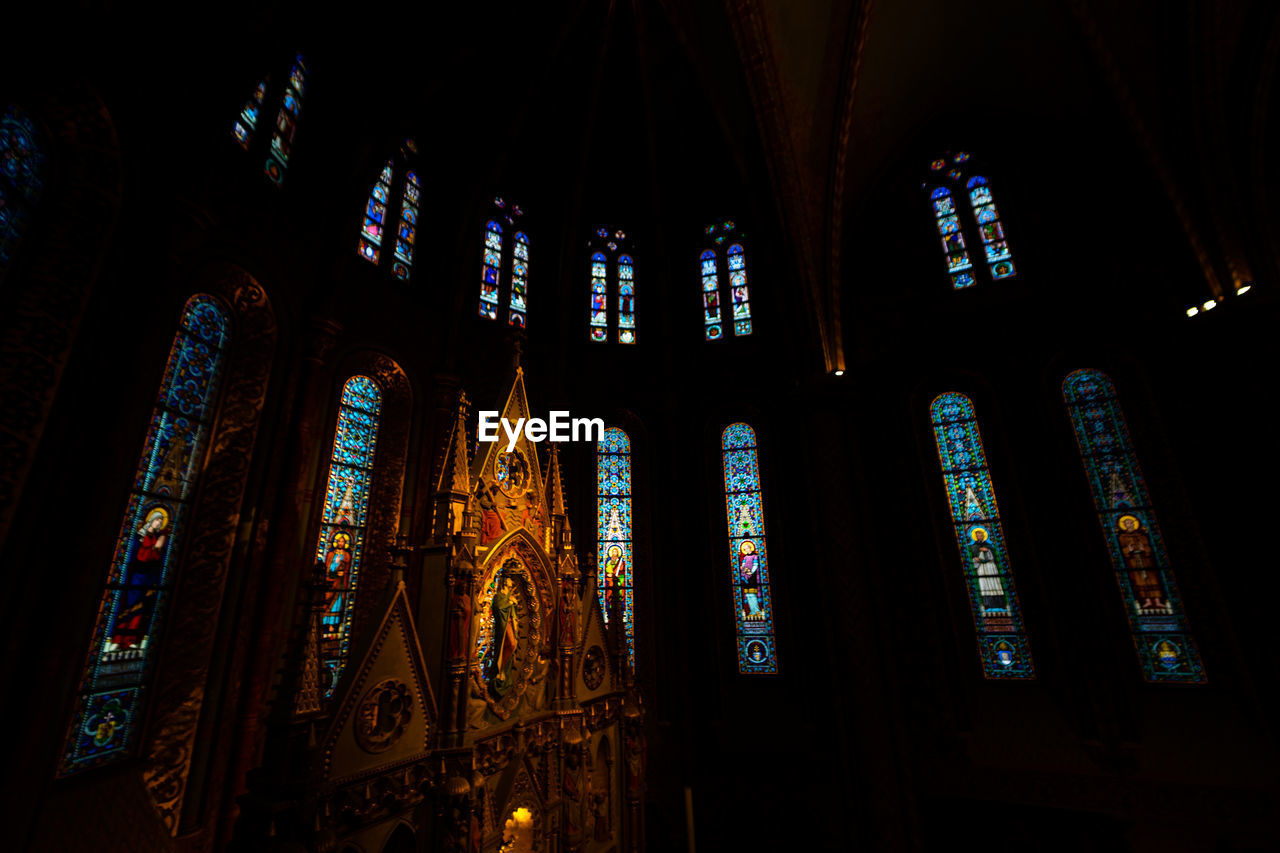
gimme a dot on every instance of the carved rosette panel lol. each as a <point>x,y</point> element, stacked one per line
<point>46,291</point>
<point>388,482</point>
<point>179,683</point>
<point>383,715</point>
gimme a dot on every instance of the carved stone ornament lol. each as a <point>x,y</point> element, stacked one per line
<point>383,715</point>
<point>593,667</point>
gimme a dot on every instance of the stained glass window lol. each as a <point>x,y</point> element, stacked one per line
<point>518,304</point>
<point>732,260</point>
<point>130,619</point>
<point>1135,544</point>
<point>613,527</point>
<point>491,273</point>
<point>711,297</point>
<point>375,216</point>
<point>344,520</point>
<point>287,122</point>
<point>21,179</point>
<point>626,300</point>
<point>748,556</point>
<point>612,271</point>
<point>947,174</point>
<point>248,120</point>
<point>599,298</point>
<point>984,555</point>
<point>409,200</point>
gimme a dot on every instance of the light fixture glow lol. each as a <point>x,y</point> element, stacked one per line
<point>1193,311</point>
<point>1243,289</point>
<point>839,373</point>
<point>1209,305</point>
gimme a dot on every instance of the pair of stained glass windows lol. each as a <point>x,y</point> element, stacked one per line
<point>722,262</point>
<point>951,177</point>
<point>395,200</point>
<point>1166,650</point>
<point>612,273</point>
<point>505,264</point>
<point>285,128</point>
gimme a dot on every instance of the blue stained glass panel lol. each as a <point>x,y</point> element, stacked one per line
<point>490,270</point>
<point>287,122</point>
<point>131,613</point>
<point>1166,649</point>
<point>748,553</point>
<point>613,528</point>
<point>1003,648</point>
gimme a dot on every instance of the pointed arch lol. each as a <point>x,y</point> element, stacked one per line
<point>993,599</point>
<point>517,305</point>
<point>748,554</point>
<point>375,215</point>
<point>736,260</point>
<point>286,127</point>
<point>407,233</point>
<point>958,264</point>
<point>490,276</point>
<point>711,320</point>
<point>613,529</point>
<point>1162,637</point>
<point>953,172</point>
<point>994,245</point>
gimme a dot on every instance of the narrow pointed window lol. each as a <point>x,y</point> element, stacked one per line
<point>141,576</point>
<point>491,274</point>
<point>599,298</point>
<point>626,300</point>
<point>287,122</point>
<point>247,123</point>
<point>407,233</point>
<point>21,179</point>
<point>518,304</point>
<point>1161,635</point>
<point>725,253</point>
<point>748,556</point>
<point>375,216</point>
<point>344,521</point>
<point>984,557</point>
<point>951,176</point>
<point>613,527</point>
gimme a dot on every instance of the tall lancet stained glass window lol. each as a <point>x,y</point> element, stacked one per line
<point>247,122</point>
<point>612,270</point>
<point>22,175</point>
<point>287,122</point>
<point>1135,545</point>
<point>130,619</point>
<point>724,259</point>
<point>748,555</point>
<point>504,269</point>
<point>950,184</point>
<point>343,524</point>
<point>385,202</point>
<point>613,527</point>
<point>984,555</point>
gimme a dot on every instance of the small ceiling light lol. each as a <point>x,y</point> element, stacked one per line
<point>839,373</point>
<point>1243,289</point>
<point>1209,305</point>
<point>1193,311</point>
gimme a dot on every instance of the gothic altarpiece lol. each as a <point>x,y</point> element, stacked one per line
<point>497,713</point>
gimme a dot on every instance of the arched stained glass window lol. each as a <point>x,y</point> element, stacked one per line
<point>375,216</point>
<point>112,690</point>
<point>711,297</point>
<point>738,286</point>
<point>626,300</point>
<point>613,527</point>
<point>21,179</point>
<point>287,122</point>
<point>1152,604</point>
<point>612,270</point>
<point>247,123</point>
<point>518,304</point>
<point>949,177</point>
<point>748,556</point>
<point>733,260</point>
<point>984,555</point>
<point>345,516</point>
<point>599,298</point>
<point>410,198</point>
<point>999,258</point>
<point>491,274</point>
